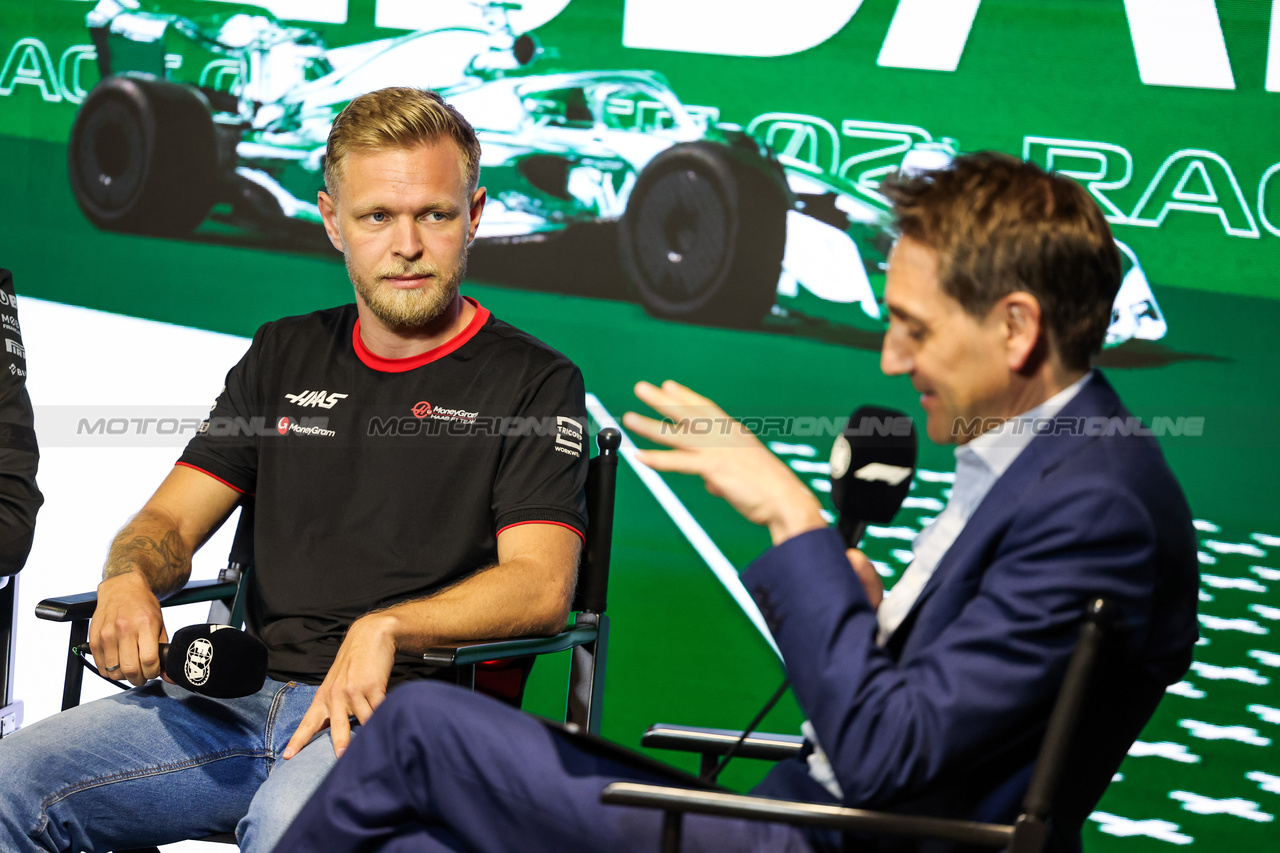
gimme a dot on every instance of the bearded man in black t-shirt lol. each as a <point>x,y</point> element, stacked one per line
<point>418,470</point>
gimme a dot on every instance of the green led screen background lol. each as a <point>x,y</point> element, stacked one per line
<point>1183,155</point>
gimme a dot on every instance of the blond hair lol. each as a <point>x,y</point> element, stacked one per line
<point>399,117</point>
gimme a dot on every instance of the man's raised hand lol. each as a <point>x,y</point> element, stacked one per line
<point>867,575</point>
<point>732,462</point>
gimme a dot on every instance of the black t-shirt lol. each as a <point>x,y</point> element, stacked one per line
<point>379,480</point>
<point>19,455</point>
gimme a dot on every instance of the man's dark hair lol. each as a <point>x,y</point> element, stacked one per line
<point>1000,225</point>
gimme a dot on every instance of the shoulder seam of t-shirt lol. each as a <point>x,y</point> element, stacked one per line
<point>504,329</point>
<point>547,369</point>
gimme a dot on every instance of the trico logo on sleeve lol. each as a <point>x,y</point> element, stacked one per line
<point>199,658</point>
<point>315,398</point>
<point>568,436</point>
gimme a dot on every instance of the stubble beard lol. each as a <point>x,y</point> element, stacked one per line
<point>415,308</point>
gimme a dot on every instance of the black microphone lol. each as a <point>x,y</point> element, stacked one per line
<point>872,462</point>
<point>212,660</point>
<point>215,660</point>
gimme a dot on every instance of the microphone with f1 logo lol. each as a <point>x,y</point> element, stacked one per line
<point>872,462</point>
<point>212,660</point>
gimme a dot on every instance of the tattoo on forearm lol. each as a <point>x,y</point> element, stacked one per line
<point>164,562</point>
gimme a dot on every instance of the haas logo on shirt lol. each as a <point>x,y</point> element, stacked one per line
<point>315,398</point>
<point>422,409</point>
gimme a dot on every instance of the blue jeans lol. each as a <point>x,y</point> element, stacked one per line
<point>158,764</point>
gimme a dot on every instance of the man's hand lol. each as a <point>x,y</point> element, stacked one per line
<point>355,685</point>
<point>127,629</point>
<point>151,557</point>
<point>730,460</point>
<point>867,573</point>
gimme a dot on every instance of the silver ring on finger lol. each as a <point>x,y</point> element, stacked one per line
<point>112,668</point>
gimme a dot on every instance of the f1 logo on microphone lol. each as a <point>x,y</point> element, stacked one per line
<point>199,659</point>
<point>874,472</point>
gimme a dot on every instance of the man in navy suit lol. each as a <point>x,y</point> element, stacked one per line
<point>933,700</point>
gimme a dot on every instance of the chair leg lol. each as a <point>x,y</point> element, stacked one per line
<point>75,670</point>
<point>10,710</point>
<point>586,681</point>
<point>8,624</point>
<point>466,676</point>
<point>671,829</point>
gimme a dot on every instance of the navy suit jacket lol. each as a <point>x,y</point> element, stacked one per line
<point>946,719</point>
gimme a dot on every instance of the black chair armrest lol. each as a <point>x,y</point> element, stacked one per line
<point>503,649</point>
<point>69,608</point>
<point>769,747</point>
<point>807,814</point>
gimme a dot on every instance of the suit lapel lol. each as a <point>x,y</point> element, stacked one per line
<point>966,554</point>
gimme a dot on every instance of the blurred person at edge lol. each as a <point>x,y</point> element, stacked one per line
<point>20,499</point>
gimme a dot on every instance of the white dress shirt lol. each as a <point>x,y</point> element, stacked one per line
<point>979,464</point>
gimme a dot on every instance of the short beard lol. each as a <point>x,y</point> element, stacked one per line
<point>409,309</point>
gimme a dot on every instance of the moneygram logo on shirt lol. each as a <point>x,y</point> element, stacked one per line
<point>423,409</point>
<point>288,425</point>
<point>315,398</point>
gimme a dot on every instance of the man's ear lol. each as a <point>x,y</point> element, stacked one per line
<point>329,213</point>
<point>1024,332</point>
<point>477,208</point>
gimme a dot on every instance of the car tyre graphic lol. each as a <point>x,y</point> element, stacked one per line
<point>703,235</point>
<point>143,156</point>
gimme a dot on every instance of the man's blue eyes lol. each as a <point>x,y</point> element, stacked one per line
<point>380,217</point>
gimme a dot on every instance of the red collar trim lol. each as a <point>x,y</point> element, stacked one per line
<point>400,365</point>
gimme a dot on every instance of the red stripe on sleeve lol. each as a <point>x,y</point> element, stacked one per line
<point>219,479</point>
<point>556,523</point>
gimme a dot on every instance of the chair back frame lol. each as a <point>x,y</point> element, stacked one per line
<point>10,710</point>
<point>1028,834</point>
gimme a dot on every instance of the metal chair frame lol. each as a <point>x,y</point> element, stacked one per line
<point>1026,835</point>
<point>10,708</point>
